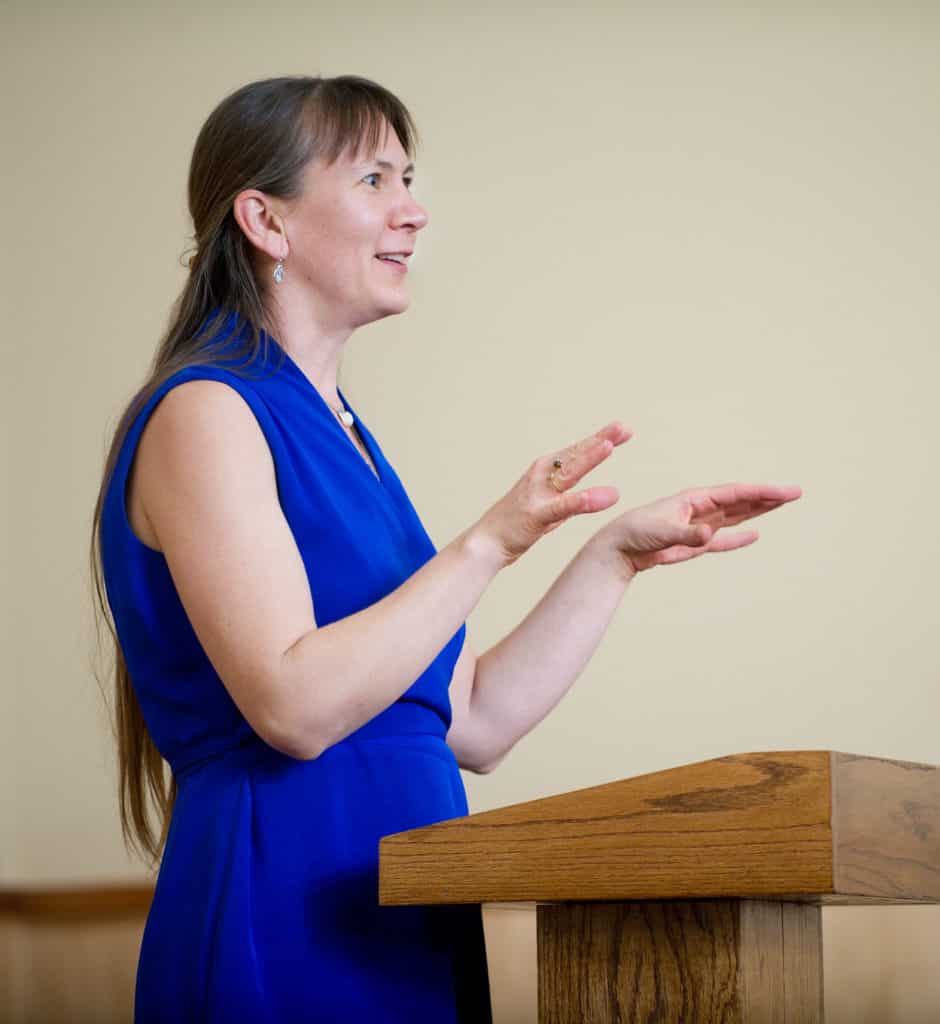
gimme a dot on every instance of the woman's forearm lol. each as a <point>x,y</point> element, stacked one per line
<point>520,679</point>
<point>339,676</point>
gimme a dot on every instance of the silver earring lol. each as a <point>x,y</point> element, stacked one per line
<point>279,272</point>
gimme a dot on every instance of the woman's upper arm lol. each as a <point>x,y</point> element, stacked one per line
<point>208,488</point>
<point>466,737</point>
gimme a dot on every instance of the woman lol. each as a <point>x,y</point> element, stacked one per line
<point>287,637</point>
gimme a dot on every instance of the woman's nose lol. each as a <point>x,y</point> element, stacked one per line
<point>413,214</point>
<point>422,218</point>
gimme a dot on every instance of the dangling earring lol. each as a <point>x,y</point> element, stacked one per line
<point>279,268</point>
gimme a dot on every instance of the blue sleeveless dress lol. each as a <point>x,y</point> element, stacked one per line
<point>266,902</point>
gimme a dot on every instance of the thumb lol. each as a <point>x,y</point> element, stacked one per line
<point>695,535</point>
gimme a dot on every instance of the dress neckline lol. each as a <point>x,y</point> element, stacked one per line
<point>368,442</point>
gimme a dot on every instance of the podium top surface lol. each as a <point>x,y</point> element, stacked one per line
<point>815,825</point>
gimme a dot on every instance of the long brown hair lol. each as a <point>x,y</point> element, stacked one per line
<point>262,136</point>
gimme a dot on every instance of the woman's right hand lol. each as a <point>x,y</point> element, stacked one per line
<point>534,507</point>
<point>690,523</point>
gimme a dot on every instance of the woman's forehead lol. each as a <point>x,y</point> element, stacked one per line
<point>383,145</point>
<point>388,154</point>
<point>371,149</point>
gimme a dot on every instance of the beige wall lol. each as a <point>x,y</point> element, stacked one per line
<point>716,223</point>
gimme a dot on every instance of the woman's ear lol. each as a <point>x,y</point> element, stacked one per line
<point>260,223</point>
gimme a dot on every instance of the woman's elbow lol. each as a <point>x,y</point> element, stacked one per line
<point>287,733</point>
<point>485,769</point>
<point>480,762</point>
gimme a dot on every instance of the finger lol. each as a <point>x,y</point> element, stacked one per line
<point>733,515</point>
<point>598,499</point>
<point>694,537</point>
<point>594,499</point>
<point>720,542</point>
<point>581,462</point>
<point>728,504</point>
<point>731,494</point>
<point>615,432</point>
<point>677,553</point>
<point>732,541</point>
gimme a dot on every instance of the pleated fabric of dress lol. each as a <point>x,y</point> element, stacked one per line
<point>266,902</point>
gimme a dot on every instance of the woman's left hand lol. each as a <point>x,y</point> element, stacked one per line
<point>689,524</point>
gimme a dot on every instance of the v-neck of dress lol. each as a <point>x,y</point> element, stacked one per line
<point>372,463</point>
<point>359,426</point>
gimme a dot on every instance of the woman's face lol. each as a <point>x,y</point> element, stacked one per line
<point>347,215</point>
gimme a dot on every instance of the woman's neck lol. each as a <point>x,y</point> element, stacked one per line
<point>316,348</point>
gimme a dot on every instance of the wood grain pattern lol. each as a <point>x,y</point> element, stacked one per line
<point>728,961</point>
<point>780,962</point>
<point>745,825</point>
<point>886,827</point>
<point>758,825</point>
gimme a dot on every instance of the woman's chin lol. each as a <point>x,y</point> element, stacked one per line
<point>388,308</point>
<point>395,304</point>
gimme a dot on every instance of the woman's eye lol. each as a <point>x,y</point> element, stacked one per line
<point>377,174</point>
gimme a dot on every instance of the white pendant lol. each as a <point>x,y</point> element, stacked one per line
<point>347,417</point>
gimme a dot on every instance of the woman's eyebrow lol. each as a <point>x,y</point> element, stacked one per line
<point>386,166</point>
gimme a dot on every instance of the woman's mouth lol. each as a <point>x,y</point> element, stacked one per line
<point>396,263</point>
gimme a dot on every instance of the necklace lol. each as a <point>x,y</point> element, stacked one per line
<point>345,416</point>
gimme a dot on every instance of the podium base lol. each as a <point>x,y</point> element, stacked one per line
<point>689,961</point>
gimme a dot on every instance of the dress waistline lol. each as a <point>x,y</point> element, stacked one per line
<point>404,718</point>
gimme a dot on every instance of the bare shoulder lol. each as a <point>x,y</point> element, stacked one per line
<point>200,432</point>
<point>199,422</point>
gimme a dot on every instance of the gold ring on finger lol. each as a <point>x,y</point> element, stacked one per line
<point>551,476</point>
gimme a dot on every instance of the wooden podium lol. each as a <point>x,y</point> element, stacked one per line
<point>692,894</point>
